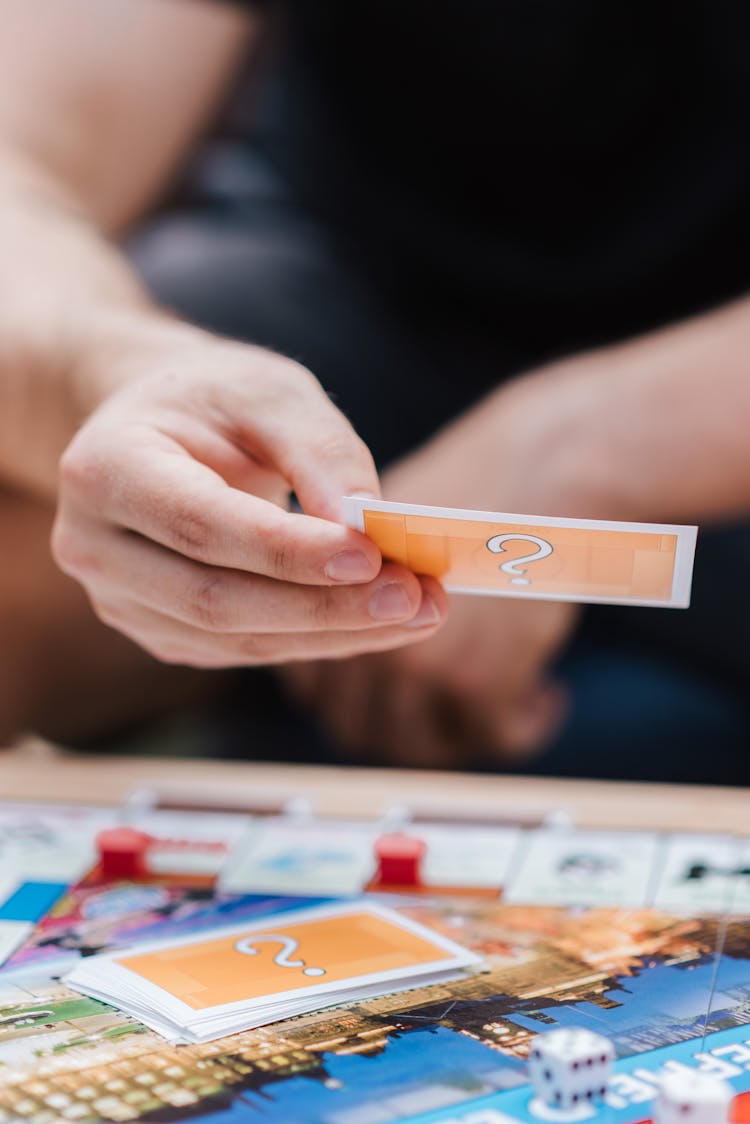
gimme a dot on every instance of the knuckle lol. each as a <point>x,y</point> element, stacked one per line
<point>342,439</point>
<point>190,532</point>
<point>254,648</point>
<point>209,604</point>
<point>76,468</point>
<point>70,552</point>
<point>285,377</point>
<point>296,375</point>
<point>108,614</point>
<point>266,649</point>
<point>63,545</point>
<point>82,470</point>
<point>323,610</point>
<point>282,557</point>
<point>336,444</point>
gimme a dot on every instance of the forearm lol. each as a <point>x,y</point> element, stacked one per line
<point>96,115</point>
<point>63,290</point>
<point>652,429</point>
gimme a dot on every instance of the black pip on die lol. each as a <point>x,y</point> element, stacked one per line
<point>570,1067</point>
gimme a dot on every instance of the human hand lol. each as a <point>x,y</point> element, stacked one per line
<point>172,513</point>
<point>477,693</point>
<point>480,691</point>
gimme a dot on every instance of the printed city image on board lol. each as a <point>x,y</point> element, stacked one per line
<point>641,977</point>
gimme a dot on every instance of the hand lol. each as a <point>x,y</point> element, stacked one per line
<point>480,691</point>
<point>476,694</point>
<point>172,514</point>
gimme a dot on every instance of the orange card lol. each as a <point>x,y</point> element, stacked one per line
<point>299,954</point>
<point>217,983</point>
<point>202,987</point>
<point>531,556</point>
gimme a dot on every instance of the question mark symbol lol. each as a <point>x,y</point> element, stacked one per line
<point>289,947</point>
<point>497,545</point>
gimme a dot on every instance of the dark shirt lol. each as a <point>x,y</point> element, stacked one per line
<point>561,173</point>
<point>550,175</point>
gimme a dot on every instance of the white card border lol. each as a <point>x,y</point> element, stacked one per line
<point>176,1010</point>
<point>354,507</point>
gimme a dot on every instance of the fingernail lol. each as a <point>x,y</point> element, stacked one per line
<point>428,614</point>
<point>350,566</point>
<point>390,602</point>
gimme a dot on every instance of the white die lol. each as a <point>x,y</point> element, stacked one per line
<point>569,1067</point>
<point>691,1097</point>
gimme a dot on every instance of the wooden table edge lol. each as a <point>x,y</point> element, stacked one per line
<point>37,771</point>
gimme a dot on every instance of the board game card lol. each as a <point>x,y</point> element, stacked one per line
<point>542,557</point>
<point>467,857</point>
<point>329,858</point>
<point>704,874</point>
<point>189,843</point>
<point>578,868</point>
<point>49,843</point>
<point>236,979</point>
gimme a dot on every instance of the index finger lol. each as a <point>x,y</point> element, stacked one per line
<point>162,493</point>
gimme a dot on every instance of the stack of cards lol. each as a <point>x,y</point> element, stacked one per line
<point>236,979</point>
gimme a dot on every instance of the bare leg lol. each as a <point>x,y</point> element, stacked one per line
<point>63,674</point>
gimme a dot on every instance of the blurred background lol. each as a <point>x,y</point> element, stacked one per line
<point>423,203</point>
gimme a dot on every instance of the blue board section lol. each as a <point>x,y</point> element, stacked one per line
<point>31,901</point>
<point>724,1054</point>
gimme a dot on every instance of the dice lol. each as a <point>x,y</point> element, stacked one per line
<point>691,1097</point>
<point>569,1067</point>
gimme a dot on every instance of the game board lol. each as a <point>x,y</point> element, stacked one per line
<point>670,987</point>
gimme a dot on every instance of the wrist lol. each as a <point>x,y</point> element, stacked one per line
<point>118,346</point>
<point>537,445</point>
<point>541,425</point>
<point>540,443</point>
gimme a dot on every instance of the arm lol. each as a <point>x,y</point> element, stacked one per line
<point>98,103</point>
<point>172,493</point>
<point>652,429</point>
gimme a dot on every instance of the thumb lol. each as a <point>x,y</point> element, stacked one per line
<point>310,442</point>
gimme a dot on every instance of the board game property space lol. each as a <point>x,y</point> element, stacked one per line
<point>669,988</point>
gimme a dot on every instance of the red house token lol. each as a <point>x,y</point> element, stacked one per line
<point>123,851</point>
<point>399,858</point>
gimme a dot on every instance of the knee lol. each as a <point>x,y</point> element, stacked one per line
<point>15,673</point>
<point>27,581</point>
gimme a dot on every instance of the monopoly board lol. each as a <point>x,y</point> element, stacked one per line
<point>670,986</point>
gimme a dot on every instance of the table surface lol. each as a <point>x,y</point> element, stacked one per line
<point>37,771</point>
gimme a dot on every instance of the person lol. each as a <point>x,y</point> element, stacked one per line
<point>513,249</point>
